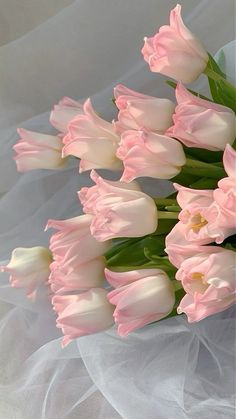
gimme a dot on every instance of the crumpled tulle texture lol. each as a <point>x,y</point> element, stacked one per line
<point>170,370</point>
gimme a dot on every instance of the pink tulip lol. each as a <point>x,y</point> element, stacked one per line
<point>28,268</point>
<point>149,154</point>
<point>200,123</point>
<point>93,140</point>
<point>148,298</point>
<point>138,111</point>
<point>225,194</point>
<point>118,211</point>
<point>174,51</point>
<point>82,277</point>
<point>38,151</point>
<point>66,110</point>
<point>83,314</point>
<point>88,196</point>
<point>209,281</point>
<point>178,247</point>
<point>199,216</point>
<point>73,244</point>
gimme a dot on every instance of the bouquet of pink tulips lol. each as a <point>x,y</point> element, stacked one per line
<point>132,259</point>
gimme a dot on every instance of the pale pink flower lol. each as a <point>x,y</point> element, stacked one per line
<point>225,194</point>
<point>28,268</point>
<point>178,247</point>
<point>199,216</point>
<point>82,277</point>
<point>88,195</point>
<point>138,111</point>
<point>149,154</point>
<point>148,297</point>
<point>38,151</point>
<point>83,314</point>
<point>73,244</point>
<point>209,281</point>
<point>119,211</point>
<point>174,51</point>
<point>200,123</point>
<point>93,140</point>
<point>63,112</point>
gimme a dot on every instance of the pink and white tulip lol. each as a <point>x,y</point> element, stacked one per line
<point>88,195</point>
<point>64,111</point>
<point>93,140</point>
<point>200,123</point>
<point>209,281</point>
<point>38,151</point>
<point>118,211</point>
<point>73,244</point>
<point>178,247</point>
<point>174,51</point>
<point>143,296</point>
<point>83,314</point>
<point>200,216</point>
<point>82,277</point>
<point>29,268</point>
<point>149,154</point>
<point>138,111</point>
<point>225,194</point>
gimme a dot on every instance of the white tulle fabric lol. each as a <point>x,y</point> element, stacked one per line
<point>173,370</point>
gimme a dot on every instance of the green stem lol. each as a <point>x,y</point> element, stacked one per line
<point>217,77</point>
<point>167,214</point>
<point>204,169</point>
<point>165,201</point>
<point>177,285</point>
<point>197,163</point>
<point>173,208</point>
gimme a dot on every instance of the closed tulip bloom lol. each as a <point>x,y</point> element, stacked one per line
<point>88,195</point>
<point>83,314</point>
<point>37,151</point>
<point>200,123</point>
<point>82,277</point>
<point>64,111</point>
<point>174,51</point>
<point>93,140</point>
<point>28,268</point>
<point>225,194</point>
<point>138,111</point>
<point>150,154</point>
<point>73,244</point>
<point>178,247</point>
<point>147,299</point>
<point>118,211</point>
<point>209,282</point>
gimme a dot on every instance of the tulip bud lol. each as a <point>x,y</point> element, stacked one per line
<point>64,112</point>
<point>28,268</point>
<point>200,123</point>
<point>93,140</point>
<point>119,211</point>
<point>82,277</point>
<point>138,111</point>
<point>38,151</point>
<point>174,51</point>
<point>73,244</point>
<point>83,314</point>
<point>143,296</point>
<point>150,154</point>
